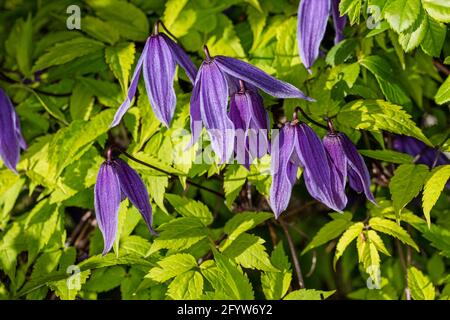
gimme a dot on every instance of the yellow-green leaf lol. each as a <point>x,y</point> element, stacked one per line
<point>347,237</point>
<point>391,228</point>
<point>420,285</point>
<point>433,187</point>
<point>120,58</point>
<point>406,184</point>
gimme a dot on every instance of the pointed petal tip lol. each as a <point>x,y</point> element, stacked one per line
<point>372,199</point>
<point>114,123</point>
<point>277,214</point>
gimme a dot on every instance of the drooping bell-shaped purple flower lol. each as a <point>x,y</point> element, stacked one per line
<point>115,181</point>
<point>251,123</point>
<point>158,62</point>
<point>417,149</point>
<point>311,25</point>
<point>348,162</point>
<point>209,98</point>
<point>298,145</point>
<point>11,139</point>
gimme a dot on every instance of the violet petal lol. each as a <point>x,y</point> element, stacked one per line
<point>311,26</point>
<point>9,139</point>
<point>213,107</point>
<point>357,164</point>
<point>132,186</point>
<point>107,196</point>
<point>132,89</point>
<point>317,171</point>
<point>338,21</point>
<point>182,58</point>
<point>283,170</point>
<point>255,76</point>
<point>159,73</point>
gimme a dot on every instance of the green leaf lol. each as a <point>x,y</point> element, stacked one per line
<point>130,21</point>
<point>255,4</point>
<point>276,284</point>
<point>347,73</point>
<point>173,9</point>
<point>341,52</point>
<point>186,286</point>
<point>434,38</point>
<point>231,280</point>
<point>50,105</point>
<point>105,279</point>
<point>420,285</point>
<point>434,185</point>
<point>107,93</point>
<point>383,72</point>
<point>226,41</point>
<point>135,246</point>
<point>438,236</point>
<point>443,94</point>
<point>243,222</point>
<point>81,102</point>
<point>393,229</point>
<point>234,178</point>
<point>377,241</point>
<point>331,230</point>
<point>411,38</point>
<point>66,292</point>
<point>248,251</point>
<point>190,208</point>
<point>25,46</point>
<point>368,255</point>
<point>406,184</point>
<point>438,9</point>
<point>172,266</point>
<point>309,294</point>
<point>377,115</point>
<point>100,30</point>
<point>120,58</point>
<point>352,8</point>
<point>65,52</point>
<point>401,14</point>
<point>157,185</point>
<point>179,234</point>
<point>70,143</point>
<point>347,237</point>
<point>388,156</point>
<point>436,268</point>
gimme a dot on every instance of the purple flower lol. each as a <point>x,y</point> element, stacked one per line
<point>158,61</point>
<point>298,145</point>
<point>210,97</point>
<point>251,123</point>
<point>11,139</point>
<point>348,163</point>
<point>416,148</point>
<point>311,25</point>
<point>338,21</point>
<point>115,181</point>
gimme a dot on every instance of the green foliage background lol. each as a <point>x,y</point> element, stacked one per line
<point>67,84</point>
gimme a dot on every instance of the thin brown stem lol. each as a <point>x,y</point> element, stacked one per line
<point>310,119</point>
<point>192,183</point>
<point>298,270</point>
<point>404,265</point>
<point>441,67</point>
